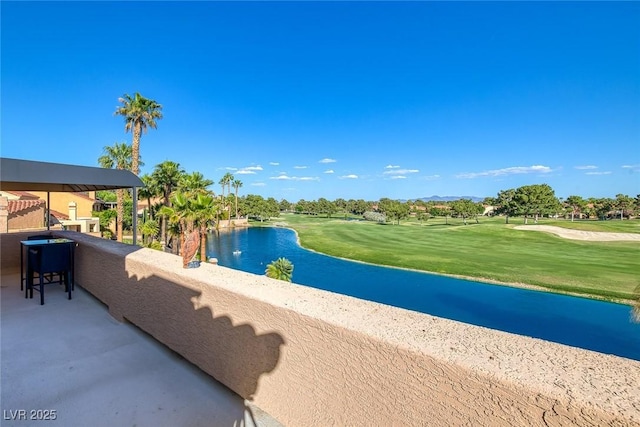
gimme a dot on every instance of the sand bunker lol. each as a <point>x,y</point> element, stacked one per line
<point>593,236</point>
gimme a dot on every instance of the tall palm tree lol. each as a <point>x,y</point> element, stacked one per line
<point>178,216</point>
<point>236,185</point>
<point>205,210</point>
<point>139,114</point>
<point>225,181</point>
<point>117,156</point>
<point>167,176</point>
<point>281,269</point>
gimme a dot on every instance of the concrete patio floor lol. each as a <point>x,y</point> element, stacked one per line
<point>72,357</point>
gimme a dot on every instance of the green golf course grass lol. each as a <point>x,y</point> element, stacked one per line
<point>489,251</point>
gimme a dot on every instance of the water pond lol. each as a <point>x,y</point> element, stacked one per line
<point>595,325</point>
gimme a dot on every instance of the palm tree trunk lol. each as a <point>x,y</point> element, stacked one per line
<point>237,203</point>
<point>203,243</point>
<point>150,208</point>
<point>120,213</point>
<point>135,148</point>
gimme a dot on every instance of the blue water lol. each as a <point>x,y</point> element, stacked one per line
<point>595,325</point>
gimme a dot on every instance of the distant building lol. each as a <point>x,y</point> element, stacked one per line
<point>21,211</point>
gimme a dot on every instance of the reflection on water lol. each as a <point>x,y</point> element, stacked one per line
<point>579,322</point>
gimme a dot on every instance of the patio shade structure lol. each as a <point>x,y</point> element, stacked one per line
<point>28,175</point>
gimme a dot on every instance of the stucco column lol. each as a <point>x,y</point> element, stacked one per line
<point>73,211</point>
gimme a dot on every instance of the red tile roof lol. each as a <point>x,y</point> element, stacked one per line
<point>16,206</point>
<point>58,215</point>
<point>23,195</point>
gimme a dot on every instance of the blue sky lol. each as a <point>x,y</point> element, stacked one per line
<point>337,99</point>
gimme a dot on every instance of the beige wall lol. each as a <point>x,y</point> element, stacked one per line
<point>60,202</point>
<point>28,218</point>
<point>310,357</point>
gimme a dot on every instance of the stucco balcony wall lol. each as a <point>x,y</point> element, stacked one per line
<point>310,357</point>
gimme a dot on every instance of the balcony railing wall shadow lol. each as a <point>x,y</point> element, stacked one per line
<point>311,357</point>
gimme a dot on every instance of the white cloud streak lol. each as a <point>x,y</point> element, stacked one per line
<point>586,167</point>
<point>598,173</point>
<point>398,177</point>
<point>400,171</point>
<point>300,167</point>
<point>351,176</point>
<point>431,177</point>
<point>516,170</point>
<point>327,160</point>
<point>285,177</point>
<point>391,167</point>
<point>274,163</point>
<point>249,170</point>
<point>329,171</point>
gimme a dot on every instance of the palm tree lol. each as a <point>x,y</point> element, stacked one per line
<point>225,181</point>
<point>150,230</point>
<point>139,114</point>
<point>118,156</point>
<point>194,183</point>
<point>280,269</point>
<point>179,216</point>
<point>205,209</point>
<point>167,177</point>
<point>150,190</point>
<point>236,185</point>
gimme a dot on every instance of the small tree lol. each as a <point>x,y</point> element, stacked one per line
<point>281,269</point>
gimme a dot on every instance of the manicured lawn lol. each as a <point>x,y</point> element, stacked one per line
<point>490,251</point>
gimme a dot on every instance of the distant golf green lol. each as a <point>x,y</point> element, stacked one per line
<point>490,251</point>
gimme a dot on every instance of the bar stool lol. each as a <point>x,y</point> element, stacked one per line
<point>48,259</point>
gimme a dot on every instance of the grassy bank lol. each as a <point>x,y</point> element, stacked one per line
<point>491,251</point>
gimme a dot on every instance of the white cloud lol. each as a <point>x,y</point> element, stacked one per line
<point>300,167</point>
<point>431,177</point>
<point>516,170</point>
<point>352,176</point>
<point>327,160</point>
<point>398,177</point>
<point>258,184</point>
<point>249,170</point>
<point>587,167</point>
<point>598,173</point>
<point>285,177</point>
<point>274,163</point>
<point>634,168</point>
<point>282,176</point>
<point>329,171</point>
<point>400,171</point>
<point>228,168</point>
<point>391,167</point>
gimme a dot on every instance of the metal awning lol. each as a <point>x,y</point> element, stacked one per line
<point>28,175</point>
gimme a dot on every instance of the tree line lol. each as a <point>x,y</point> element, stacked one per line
<point>178,201</point>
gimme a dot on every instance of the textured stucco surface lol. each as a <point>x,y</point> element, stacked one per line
<point>311,357</point>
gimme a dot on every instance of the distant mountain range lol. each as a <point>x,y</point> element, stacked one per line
<point>449,198</point>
